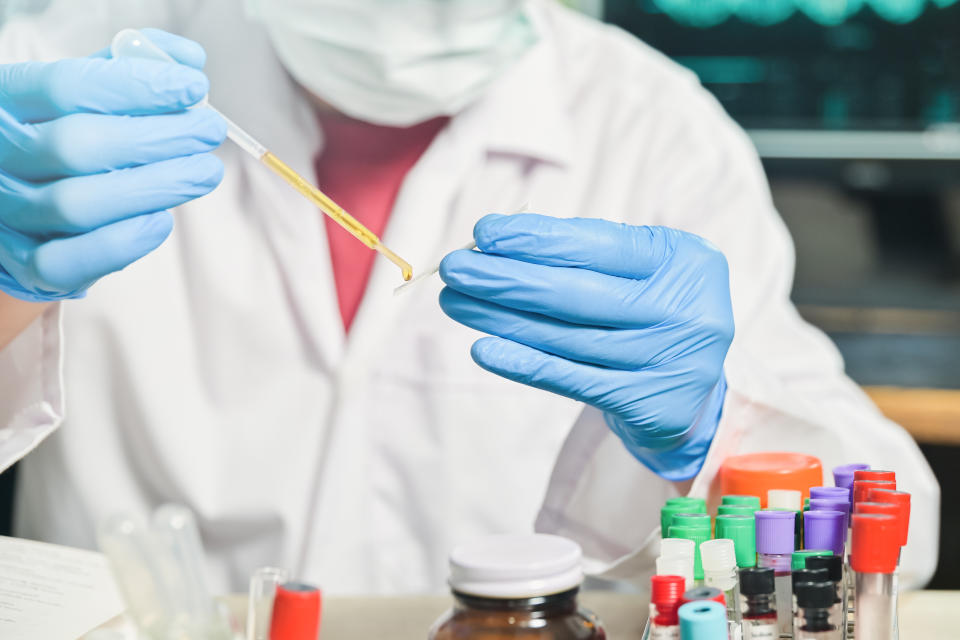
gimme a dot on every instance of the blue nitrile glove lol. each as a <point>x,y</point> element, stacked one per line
<point>92,152</point>
<point>635,321</point>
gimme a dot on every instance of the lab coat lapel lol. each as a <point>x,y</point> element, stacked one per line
<point>254,89</point>
<point>296,234</point>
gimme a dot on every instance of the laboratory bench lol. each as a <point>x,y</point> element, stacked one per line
<point>930,615</point>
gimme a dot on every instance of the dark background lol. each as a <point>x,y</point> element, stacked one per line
<point>877,235</point>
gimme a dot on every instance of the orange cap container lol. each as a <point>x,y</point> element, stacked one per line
<point>754,474</point>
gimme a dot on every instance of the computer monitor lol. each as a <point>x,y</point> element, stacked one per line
<point>858,78</point>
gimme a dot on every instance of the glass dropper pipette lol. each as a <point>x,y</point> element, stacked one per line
<point>131,43</point>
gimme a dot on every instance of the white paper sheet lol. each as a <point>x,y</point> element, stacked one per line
<point>53,592</point>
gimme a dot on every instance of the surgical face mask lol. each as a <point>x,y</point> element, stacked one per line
<point>396,62</point>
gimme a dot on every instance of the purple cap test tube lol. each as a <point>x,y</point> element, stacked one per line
<point>843,475</point>
<point>825,530</point>
<point>775,532</point>
<point>832,504</point>
<point>775,545</point>
<point>830,492</point>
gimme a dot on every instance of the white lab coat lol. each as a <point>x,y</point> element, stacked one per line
<point>216,373</point>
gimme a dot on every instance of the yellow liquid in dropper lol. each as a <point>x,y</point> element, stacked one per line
<point>335,211</point>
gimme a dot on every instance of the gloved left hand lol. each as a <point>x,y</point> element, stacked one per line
<point>635,321</point>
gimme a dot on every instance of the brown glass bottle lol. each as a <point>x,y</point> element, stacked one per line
<point>517,586</point>
<point>553,617</point>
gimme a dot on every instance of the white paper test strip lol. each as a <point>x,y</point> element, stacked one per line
<point>436,267</point>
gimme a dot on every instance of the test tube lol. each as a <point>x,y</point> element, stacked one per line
<point>862,487</point>
<point>837,493</point>
<point>743,500</point>
<point>736,509</point>
<point>296,612</point>
<point>665,593</point>
<point>834,567</point>
<point>694,505</point>
<point>703,593</point>
<point>874,474</point>
<point>896,511</point>
<point>759,603</point>
<point>720,571</point>
<point>825,530</point>
<point>775,545</point>
<point>834,504</point>
<point>800,576</point>
<point>873,558</point>
<point>899,498</point>
<point>798,560</point>
<point>703,620</point>
<point>125,540</point>
<point>814,601</point>
<point>677,558</point>
<point>697,534</point>
<point>701,520</point>
<point>843,475</point>
<point>742,529</point>
<point>263,589</point>
<point>787,499</point>
<point>182,576</point>
<point>678,505</point>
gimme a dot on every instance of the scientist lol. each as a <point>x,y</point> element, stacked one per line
<point>255,366</point>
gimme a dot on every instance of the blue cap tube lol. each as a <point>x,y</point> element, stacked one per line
<point>703,620</point>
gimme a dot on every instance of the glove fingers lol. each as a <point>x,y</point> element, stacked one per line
<point>595,386</point>
<point>589,243</point>
<point>578,296</point>
<point>72,264</point>
<point>77,205</point>
<point>84,144</point>
<point>628,349</point>
<point>42,91</point>
<point>657,404</point>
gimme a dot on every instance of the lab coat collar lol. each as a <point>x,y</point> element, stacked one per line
<point>527,108</point>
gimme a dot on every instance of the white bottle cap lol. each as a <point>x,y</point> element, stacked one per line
<point>677,567</point>
<point>677,548</point>
<point>718,555</point>
<point>516,566</point>
<point>784,499</point>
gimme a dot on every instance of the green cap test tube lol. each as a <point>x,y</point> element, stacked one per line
<point>736,509</point>
<point>750,501</point>
<point>690,520</point>
<point>679,505</point>
<point>742,529</point>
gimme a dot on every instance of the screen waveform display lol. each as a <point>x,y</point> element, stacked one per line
<point>708,13</point>
<point>821,64</point>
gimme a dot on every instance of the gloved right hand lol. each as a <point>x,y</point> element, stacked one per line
<point>92,153</point>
